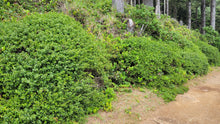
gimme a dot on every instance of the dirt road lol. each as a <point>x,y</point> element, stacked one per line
<point>200,105</point>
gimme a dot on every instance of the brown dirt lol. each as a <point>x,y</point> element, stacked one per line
<point>200,105</point>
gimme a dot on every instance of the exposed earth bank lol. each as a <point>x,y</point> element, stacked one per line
<point>200,105</point>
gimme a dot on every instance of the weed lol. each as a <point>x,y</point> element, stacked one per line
<point>146,96</point>
<point>128,111</point>
<point>126,90</point>
<point>142,90</point>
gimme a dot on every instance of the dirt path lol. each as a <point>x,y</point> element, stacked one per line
<point>200,105</point>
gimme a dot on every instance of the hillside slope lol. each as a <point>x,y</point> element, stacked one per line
<point>60,66</point>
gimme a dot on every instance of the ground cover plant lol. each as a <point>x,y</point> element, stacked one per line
<point>47,68</point>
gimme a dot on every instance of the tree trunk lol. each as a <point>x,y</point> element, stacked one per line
<point>164,7</point>
<point>119,5</point>
<point>189,14</point>
<point>149,2</point>
<point>213,13</point>
<point>203,17</point>
<point>158,9</point>
<point>167,7</point>
<point>114,3</point>
<point>135,2</point>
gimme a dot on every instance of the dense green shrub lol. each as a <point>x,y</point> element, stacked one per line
<point>194,62</point>
<point>156,64</point>
<point>188,39</point>
<point>170,31</point>
<point>217,44</point>
<point>147,62</point>
<point>15,9</point>
<point>211,52</point>
<point>47,68</point>
<point>212,37</point>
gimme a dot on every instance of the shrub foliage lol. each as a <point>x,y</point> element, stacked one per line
<point>46,70</point>
<point>156,64</point>
<point>51,68</point>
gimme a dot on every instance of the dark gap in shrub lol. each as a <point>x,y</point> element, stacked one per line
<point>93,72</point>
<point>19,50</point>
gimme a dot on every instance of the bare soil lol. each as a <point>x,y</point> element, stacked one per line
<point>200,105</point>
